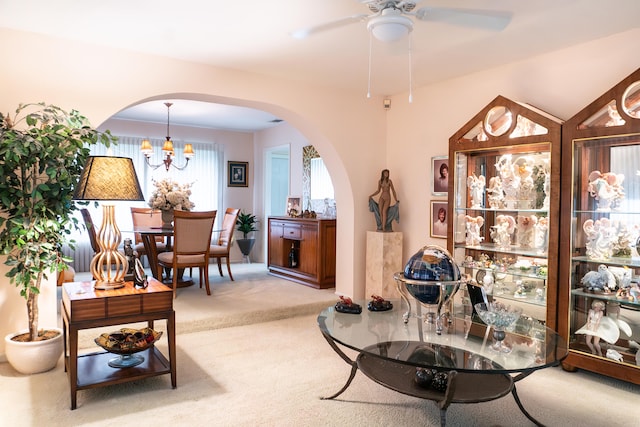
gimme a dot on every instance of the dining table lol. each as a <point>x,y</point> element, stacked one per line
<point>148,234</point>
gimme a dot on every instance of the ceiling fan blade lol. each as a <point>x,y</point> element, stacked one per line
<point>306,32</point>
<point>488,19</point>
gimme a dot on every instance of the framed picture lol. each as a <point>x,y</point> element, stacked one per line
<point>440,175</point>
<point>294,206</point>
<point>237,174</point>
<point>439,219</point>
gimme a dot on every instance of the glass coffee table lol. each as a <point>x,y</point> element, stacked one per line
<point>404,356</point>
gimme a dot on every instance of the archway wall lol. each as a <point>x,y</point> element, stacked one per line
<point>347,128</point>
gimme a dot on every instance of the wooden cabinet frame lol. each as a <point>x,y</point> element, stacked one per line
<point>476,141</point>
<point>587,140</point>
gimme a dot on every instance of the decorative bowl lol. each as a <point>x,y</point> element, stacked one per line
<point>497,315</point>
<point>128,341</point>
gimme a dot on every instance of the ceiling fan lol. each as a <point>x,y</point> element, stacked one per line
<point>390,20</point>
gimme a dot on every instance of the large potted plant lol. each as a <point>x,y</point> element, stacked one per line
<point>246,223</point>
<point>43,150</point>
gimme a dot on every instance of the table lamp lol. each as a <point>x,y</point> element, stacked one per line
<point>108,179</point>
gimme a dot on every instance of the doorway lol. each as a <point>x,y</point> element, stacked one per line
<point>276,183</point>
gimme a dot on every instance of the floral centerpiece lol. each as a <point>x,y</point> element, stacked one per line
<point>168,196</point>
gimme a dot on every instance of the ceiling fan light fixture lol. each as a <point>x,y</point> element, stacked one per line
<point>390,26</point>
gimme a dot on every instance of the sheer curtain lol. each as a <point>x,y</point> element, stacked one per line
<point>205,172</point>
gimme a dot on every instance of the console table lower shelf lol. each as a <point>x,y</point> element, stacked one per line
<point>462,387</point>
<point>94,370</point>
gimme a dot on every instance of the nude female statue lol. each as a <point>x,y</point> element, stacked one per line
<point>385,188</point>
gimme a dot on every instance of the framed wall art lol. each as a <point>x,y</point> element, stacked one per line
<point>238,174</point>
<point>439,175</point>
<point>294,206</point>
<point>439,219</point>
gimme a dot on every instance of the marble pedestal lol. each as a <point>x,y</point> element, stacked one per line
<point>384,259</point>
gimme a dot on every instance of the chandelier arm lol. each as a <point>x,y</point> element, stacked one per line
<point>167,149</point>
<point>152,166</point>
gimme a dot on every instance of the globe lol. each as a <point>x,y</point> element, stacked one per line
<point>431,277</point>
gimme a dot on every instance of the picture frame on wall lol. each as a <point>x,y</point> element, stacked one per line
<point>439,214</point>
<point>238,174</point>
<point>439,175</point>
<point>294,206</point>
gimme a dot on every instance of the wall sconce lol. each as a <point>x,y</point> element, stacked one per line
<point>167,150</point>
<point>386,104</point>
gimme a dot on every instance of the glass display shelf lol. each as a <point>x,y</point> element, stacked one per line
<point>624,262</point>
<point>513,250</point>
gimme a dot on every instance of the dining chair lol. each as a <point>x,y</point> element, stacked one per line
<point>191,242</point>
<point>147,217</point>
<point>223,246</point>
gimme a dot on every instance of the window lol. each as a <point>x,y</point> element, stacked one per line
<point>321,184</point>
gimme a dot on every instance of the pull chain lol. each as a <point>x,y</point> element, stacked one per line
<point>410,69</point>
<point>369,78</point>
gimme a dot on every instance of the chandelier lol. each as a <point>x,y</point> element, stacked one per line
<point>167,150</point>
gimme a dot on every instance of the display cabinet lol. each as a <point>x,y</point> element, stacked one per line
<point>504,206</point>
<point>600,228</point>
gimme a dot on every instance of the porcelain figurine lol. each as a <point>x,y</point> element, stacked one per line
<point>510,180</point>
<point>503,230</point>
<point>591,328</point>
<point>600,235</point>
<point>495,194</point>
<point>473,226</point>
<point>523,168</point>
<point>476,189</point>
<point>601,280</point>
<point>526,230</point>
<point>621,244</point>
<point>541,233</point>
<point>606,188</point>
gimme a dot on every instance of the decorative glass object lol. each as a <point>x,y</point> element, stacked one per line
<point>499,317</point>
<point>432,278</point>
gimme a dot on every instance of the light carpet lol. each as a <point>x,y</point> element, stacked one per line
<point>273,373</point>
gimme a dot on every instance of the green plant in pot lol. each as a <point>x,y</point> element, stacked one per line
<point>43,150</point>
<point>246,223</point>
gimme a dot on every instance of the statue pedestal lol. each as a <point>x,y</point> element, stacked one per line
<point>384,259</point>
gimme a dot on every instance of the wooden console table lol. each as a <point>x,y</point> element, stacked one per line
<point>83,307</point>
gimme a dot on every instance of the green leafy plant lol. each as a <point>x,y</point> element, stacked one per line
<point>42,152</point>
<point>246,223</point>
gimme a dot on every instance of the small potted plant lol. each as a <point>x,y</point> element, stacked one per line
<point>43,150</point>
<point>246,223</point>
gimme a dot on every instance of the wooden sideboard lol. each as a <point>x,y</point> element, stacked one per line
<point>313,240</point>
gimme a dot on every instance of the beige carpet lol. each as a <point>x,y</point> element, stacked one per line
<point>272,374</point>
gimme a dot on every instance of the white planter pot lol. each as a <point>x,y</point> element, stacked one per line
<point>33,357</point>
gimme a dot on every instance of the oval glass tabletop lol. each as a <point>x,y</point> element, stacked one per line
<point>466,344</point>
